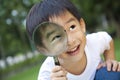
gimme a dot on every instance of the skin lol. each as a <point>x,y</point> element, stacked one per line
<point>75,54</point>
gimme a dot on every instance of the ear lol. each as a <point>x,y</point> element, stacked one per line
<point>82,24</point>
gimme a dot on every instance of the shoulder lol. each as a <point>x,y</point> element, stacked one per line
<point>48,62</point>
<point>98,35</point>
<point>45,69</point>
<point>98,41</point>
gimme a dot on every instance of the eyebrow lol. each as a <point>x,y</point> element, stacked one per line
<point>50,33</point>
<point>70,20</point>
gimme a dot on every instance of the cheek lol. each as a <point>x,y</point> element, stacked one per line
<point>79,35</point>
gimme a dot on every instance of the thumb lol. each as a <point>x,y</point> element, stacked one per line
<point>64,71</point>
<point>101,64</point>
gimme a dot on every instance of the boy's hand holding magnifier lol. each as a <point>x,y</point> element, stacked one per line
<point>50,39</point>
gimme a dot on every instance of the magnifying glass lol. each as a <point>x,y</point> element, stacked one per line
<point>50,39</point>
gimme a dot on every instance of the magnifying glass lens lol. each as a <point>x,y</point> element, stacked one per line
<point>50,39</point>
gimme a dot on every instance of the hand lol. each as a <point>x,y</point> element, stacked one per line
<point>111,65</point>
<point>58,73</point>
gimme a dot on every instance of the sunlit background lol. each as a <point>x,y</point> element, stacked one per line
<point>18,58</point>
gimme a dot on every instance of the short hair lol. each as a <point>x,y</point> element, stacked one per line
<point>45,9</point>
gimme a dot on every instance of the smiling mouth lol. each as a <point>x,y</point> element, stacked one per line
<point>73,51</point>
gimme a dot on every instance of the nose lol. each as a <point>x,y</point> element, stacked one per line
<point>71,40</point>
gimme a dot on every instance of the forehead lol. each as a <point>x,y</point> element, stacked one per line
<point>63,18</point>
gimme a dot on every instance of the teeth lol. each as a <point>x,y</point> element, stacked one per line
<point>73,50</point>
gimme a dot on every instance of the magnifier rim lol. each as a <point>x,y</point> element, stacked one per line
<point>46,22</point>
<point>37,28</point>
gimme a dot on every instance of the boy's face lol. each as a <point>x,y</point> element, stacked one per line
<point>76,35</point>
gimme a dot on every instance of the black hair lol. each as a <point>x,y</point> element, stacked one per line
<point>42,11</point>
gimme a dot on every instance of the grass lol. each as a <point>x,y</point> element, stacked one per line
<point>117,48</point>
<point>29,74</point>
<point>32,73</point>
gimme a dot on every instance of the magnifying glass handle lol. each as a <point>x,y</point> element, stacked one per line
<point>56,61</point>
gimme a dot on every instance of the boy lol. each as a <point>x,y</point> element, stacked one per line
<point>82,58</point>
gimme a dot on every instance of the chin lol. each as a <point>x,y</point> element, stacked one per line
<point>77,57</point>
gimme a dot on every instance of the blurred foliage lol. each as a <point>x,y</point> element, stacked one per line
<point>29,74</point>
<point>13,36</point>
<point>12,70</point>
<point>94,11</point>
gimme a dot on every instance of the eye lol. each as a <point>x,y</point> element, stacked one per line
<point>56,37</point>
<point>72,27</point>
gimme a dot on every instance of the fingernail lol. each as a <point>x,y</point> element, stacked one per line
<point>113,69</point>
<point>108,69</point>
<point>118,70</point>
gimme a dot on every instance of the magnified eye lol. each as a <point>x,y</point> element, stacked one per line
<point>56,37</point>
<point>72,27</point>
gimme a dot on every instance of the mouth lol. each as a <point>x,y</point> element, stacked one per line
<point>73,51</point>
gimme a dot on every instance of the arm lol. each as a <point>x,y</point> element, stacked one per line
<point>109,54</point>
<point>110,61</point>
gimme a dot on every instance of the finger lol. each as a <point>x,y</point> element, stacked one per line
<point>60,78</point>
<point>58,74</point>
<point>118,69</point>
<point>56,69</point>
<point>64,71</point>
<point>61,73</point>
<point>109,65</point>
<point>101,65</point>
<point>115,65</point>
